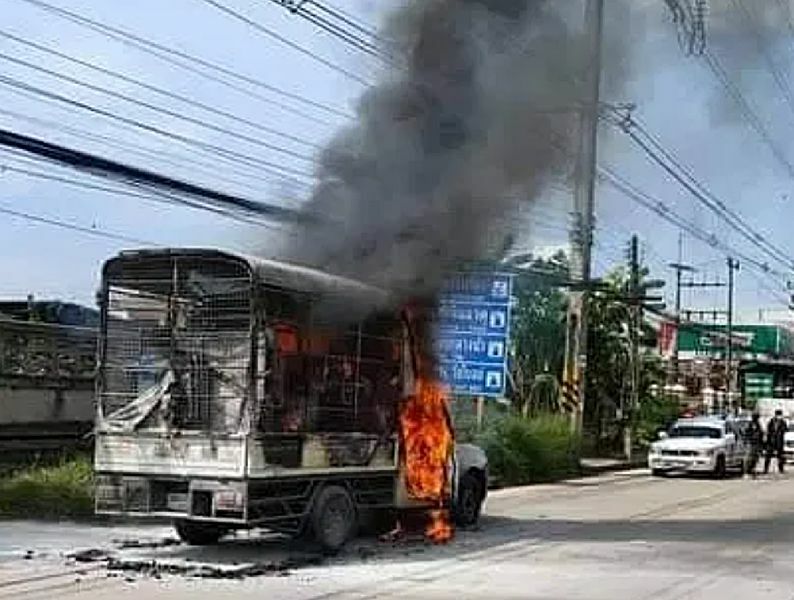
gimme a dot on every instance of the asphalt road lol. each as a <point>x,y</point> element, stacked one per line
<point>619,536</point>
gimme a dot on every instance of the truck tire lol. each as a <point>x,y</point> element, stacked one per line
<point>334,518</point>
<point>468,504</point>
<point>199,534</point>
<point>720,467</point>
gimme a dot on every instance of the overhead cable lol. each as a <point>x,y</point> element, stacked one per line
<point>186,61</point>
<point>286,41</point>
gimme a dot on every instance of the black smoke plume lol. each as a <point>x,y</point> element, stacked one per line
<point>445,149</point>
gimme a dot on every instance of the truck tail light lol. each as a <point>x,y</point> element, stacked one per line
<point>229,499</point>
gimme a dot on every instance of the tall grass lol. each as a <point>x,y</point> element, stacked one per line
<point>60,490</point>
<point>535,450</point>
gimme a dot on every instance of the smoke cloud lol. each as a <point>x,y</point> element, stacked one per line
<point>450,144</point>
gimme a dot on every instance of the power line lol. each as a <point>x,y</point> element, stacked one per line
<point>780,79</point>
<point>258,162</point>
<point>98,165</point>
<point>665,212</point>
<point>746,110</point>
<point>94,231</point>
<point>149,195</point>
<point>717,205</point>
<point>286,41</point>
<point>145,193</point>
<point>158,155</point>
<point>155,108</point>
<point>669,163</point>
<point>167,54</point>
<point>773,294</point>
<point>347,18</point>
<point>341,32</point>
<point>160,91</point>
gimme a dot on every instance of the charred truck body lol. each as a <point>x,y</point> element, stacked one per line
<point>237,392</point>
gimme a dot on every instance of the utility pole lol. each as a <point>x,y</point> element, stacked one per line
<point>635,321</point>
<point>733,265</point>
<point>582,231</point>
<point>714,313</point>
<point>679,268</point>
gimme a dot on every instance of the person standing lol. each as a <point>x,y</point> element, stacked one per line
<point>755,440</point>
<point>775,441</point>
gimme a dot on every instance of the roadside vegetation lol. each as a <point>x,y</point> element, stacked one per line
<point>57,489</point>
<point>521,449</point>
<point>538,449</point>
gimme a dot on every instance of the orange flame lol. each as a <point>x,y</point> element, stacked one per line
<point>439,529</point>
<point>427,440</point>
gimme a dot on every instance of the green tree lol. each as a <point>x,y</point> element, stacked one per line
<point>538,330</point>
<point>608,385</point>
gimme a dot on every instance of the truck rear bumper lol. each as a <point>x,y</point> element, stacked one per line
<point>162,497</point>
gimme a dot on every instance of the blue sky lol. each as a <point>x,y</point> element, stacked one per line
<point>677,98</point>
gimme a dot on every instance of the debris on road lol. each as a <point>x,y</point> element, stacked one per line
<point>157,569</point>
<point>133,544</point>
<point>89,555</point>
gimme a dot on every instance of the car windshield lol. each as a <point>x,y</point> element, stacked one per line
<point>693,431</point>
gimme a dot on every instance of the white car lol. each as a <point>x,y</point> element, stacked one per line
<point>699,445</point>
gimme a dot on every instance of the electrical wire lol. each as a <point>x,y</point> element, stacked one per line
<point>159,109</point>
<point>670,164</point>
<point>286,41</point>
<point>184,60</point>
<point>665,212</point>
<point>94,231</point>
<point>780,78</point>
<point>163,92</point>
<point>98,165</point>
<point>267,166</point>
<point>346,18</point>
<point>341,32</point>
<point>148,194</point>
<point>157,155</point>
<point>746,110</point>
<point>722,210</point>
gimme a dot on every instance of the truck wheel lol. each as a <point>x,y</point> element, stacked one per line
<point>469,501</point>
<point>720,467</point>
<point>333,518</point>
<point>199,534</point>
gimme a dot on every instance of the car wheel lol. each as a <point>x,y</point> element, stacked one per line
<point>468,504</point>
<point>657,473</point>
<point>199,534</point>
<point>334,518</point>
<point>720,467</point>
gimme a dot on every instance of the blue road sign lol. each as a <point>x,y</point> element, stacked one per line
<point>473,333</point>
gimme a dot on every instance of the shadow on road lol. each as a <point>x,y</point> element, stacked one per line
<point>277,555</point>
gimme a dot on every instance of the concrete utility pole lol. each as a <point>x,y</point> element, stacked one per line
<point>679,268</point>
<point>582,232</point>
<point>635,322</point>
<point>733,265</point>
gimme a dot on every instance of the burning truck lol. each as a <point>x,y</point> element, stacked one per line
<point>237,392</point>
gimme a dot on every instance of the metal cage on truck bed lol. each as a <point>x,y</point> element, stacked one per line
<point>233,389</point>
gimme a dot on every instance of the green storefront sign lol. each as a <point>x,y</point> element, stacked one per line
<point>748,340</point>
